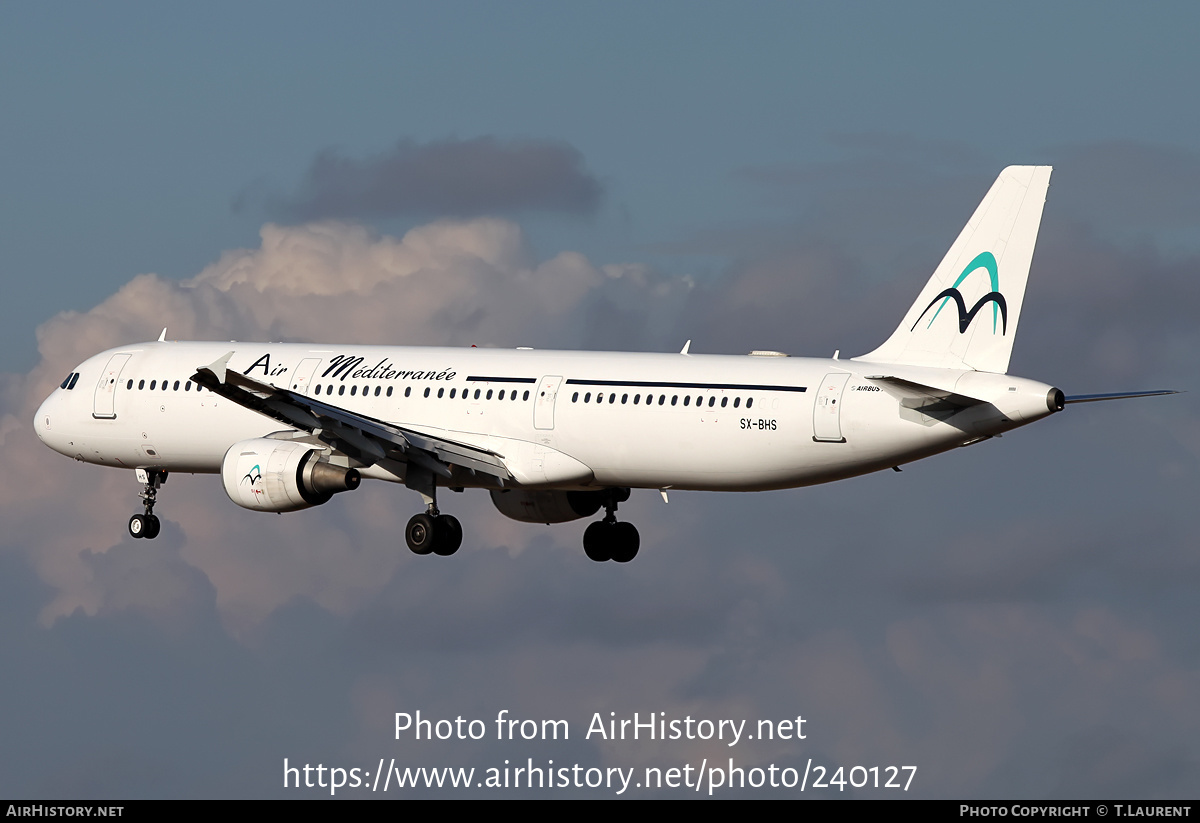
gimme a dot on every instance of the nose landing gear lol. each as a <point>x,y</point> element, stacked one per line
<point>146,525</point>
<point>609,539</point>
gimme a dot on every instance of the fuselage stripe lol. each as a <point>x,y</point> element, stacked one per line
<point>483,379</point>
<point>647,384</point>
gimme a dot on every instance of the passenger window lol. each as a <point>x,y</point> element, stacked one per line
<point>636,398</point>
<point>574,397</point>
<point>712,401</point>
<point>687,399</point>
<point>152,383</point>
<point>353,391</point>
<point>489,394</point>
<point>441,393</point>
<point>612,398</point>
<point>737,401</point>
<point>526,397</point>
<point>662,398</point>
<point>587,398</point>
<point>426,391</point>
<point>624,399</point>
<point>501,395</point>
<point>176,386</point>
<point>389,391</point>
<point>141,385</point>
<point>452,391</point>
<point>674,399</point>
<point>749,402</point>
<point>187,386</point>
<point>599,397</point>
<point>477,394</point>
<point>129,385</point>
<point>408,391</point>
<point>316,389</point>
<point>341,390</point>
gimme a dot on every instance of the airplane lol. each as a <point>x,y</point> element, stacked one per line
<point>556,436</point>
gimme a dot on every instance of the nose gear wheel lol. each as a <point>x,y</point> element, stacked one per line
<point>147,525</point>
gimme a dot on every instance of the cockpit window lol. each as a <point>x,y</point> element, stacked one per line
<point>66,380</point>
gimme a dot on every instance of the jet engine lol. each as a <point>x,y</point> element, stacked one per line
<point>282,476</point>
<point>544,506</point>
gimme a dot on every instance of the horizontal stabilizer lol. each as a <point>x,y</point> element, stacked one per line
<point>913,388</point>
<point>1095,398</point>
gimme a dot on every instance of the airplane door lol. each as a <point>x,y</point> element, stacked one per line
<point>303,374</point>
<point>543,406</point>
<point>827,425</point>
<point>104,403</point>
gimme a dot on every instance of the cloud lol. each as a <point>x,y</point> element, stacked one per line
<point>452,178</point>
<point>445,283</point>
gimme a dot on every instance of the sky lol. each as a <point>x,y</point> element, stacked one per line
<point>1015,619</point>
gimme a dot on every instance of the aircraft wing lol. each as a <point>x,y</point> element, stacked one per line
<point>364,438</point>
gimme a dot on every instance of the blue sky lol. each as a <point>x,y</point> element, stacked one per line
<point>1015,618</point>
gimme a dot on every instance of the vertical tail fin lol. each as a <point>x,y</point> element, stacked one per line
<point>966,316</point>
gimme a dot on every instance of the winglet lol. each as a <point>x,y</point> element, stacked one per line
<point>685,348</point>
<point>162,338</point>
<point>217,367</point>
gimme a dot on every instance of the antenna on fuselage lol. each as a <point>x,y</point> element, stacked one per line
<point>162,338</point>
<point>685,348</point>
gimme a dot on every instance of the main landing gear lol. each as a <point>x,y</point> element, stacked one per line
<point>147,525</point>
<point>433,531</point>
<point>609,539</point>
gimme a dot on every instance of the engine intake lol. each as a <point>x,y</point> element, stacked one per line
<point>282,476</point>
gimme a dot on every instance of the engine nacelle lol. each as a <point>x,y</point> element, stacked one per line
<point>546,506</point>
<point>282,475</point>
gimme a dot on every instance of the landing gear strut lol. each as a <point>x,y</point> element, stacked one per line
<point>147,525</point>
<point>433,531</point>
<point>609,539</point>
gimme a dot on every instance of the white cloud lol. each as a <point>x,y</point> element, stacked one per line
<point>446,283</point>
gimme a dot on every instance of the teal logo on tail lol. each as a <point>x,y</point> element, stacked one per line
<point>987,261</point>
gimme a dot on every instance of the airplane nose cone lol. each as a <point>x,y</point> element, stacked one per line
<point>41,420</point>
<point>45,420</point>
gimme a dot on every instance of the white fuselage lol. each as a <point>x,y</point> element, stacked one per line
<point>559,419</point>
